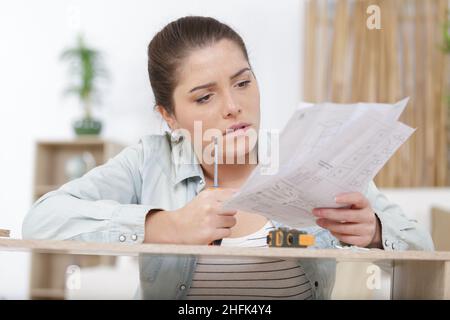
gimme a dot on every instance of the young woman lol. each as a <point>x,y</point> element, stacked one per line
<point>156,192</point>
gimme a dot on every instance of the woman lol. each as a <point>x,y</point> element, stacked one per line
<point>157,192</point>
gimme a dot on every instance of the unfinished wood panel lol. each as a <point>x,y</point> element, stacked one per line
<point>417,274</point>
<point>421,280</point>
<point>123,249</point>
<point>440,227</point>
<point>401,59</point>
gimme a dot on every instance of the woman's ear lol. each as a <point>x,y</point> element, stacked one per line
<point>168,117</point>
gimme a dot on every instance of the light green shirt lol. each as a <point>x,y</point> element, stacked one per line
<point>110,203</point>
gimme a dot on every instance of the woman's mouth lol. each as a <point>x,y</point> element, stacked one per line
<point>237,128</point>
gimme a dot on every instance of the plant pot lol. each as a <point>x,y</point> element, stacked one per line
<point>87,126</point>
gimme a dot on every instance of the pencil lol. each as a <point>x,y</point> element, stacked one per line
<point>216,161</point>
<point>217,242</point>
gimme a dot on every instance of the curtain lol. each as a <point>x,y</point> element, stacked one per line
<point>346,61</point>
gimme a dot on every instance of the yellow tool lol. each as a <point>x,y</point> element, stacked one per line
<point>289,238</point>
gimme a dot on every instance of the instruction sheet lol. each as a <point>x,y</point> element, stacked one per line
<point>324,150</point>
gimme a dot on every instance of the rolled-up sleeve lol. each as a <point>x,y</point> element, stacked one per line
<point>398,232</point>
<point>102,206</point>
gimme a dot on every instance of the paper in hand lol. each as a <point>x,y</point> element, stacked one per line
<point>324,150</point>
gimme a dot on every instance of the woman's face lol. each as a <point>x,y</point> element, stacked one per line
<point>217,89</point>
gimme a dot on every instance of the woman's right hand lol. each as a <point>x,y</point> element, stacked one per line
<point>201,221</point>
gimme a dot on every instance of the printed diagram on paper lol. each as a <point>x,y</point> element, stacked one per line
<point>325,150</point>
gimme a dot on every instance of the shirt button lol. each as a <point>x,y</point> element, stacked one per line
<point>393,245</point>
<point>122,238</point>
<point>182,287</point>
<point>134,237</point>
<point>386,243</point>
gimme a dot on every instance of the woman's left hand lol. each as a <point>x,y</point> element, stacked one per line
<point>355,225</point>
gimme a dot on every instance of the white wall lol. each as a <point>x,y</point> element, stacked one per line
<point>417,203</point>
<point>33,33</point>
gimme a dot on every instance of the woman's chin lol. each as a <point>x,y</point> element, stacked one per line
<point>240,153</point>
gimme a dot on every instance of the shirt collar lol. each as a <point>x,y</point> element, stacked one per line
<point>184,162</point>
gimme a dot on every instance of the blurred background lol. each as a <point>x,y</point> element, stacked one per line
<point>74,91</point>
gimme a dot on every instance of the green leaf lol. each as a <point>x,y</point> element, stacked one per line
<point>86,69</point>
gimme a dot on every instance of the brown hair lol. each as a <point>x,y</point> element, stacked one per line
<point>173,43</point>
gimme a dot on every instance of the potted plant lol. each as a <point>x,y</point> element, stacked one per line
<point>86,69</point>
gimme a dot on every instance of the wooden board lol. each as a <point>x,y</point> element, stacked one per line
<point>115,249</point>
<point>4,233</point>
<point>421,280</point>
<point>415,274</point>
<point>440,226</point>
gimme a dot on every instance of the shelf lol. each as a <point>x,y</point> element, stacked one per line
<point>77,142</point>
<point>59,247</point>
<point>52,156</point>
<point>4,233</point>
<point>40,190</point>
<point>39,293</point>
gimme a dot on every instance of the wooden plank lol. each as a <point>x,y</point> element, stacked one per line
<point>118,249</point>
<point>440,226</point>
<point>81,141</point>
<point>351,282</point>
<point>421,280</point>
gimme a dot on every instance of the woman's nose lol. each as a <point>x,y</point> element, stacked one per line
<point>231,108</point>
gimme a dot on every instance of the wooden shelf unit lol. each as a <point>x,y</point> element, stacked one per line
<point>4,233</point>
<point>48,271</point>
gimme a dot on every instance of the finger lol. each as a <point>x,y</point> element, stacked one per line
<point>340,215</point>
<point>221,233</point>
<point>226,212</point>
<point>217,208</point>
<point>225,222</point>
<point>356,199</point>
<point>222,194</point>
<point>344,228</point>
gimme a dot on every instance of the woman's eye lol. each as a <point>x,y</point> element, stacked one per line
<point>243,84</point>
<point>204,99</point>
